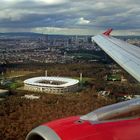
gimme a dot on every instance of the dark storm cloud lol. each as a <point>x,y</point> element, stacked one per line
<point>70,14</point>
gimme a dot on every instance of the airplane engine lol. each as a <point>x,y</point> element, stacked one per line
<point>83,127</point>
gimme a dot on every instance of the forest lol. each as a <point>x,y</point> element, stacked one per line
<point>19,115</point>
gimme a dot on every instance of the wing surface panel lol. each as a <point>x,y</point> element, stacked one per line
<point>126,55</point>
<point>134,50</point>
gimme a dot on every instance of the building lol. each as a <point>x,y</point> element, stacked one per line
<point>55,85</point>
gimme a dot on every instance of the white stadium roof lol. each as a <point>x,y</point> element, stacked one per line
<point>36,81</point>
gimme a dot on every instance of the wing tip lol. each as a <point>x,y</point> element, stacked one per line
<point>108,32</point>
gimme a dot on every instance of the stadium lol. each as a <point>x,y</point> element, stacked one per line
<point>54,85</point>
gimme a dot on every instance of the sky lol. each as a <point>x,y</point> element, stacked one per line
<point>85,17</point>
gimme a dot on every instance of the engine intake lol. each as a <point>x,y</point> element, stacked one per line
<point>42,133</point>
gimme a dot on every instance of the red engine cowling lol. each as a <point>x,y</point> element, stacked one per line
<point>93,126</point>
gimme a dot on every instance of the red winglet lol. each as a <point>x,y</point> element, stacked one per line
<point>107,33</point>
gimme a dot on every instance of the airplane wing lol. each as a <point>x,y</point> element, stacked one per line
<point>126,55</point>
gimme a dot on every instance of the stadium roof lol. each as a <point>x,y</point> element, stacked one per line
<point>65,81</point>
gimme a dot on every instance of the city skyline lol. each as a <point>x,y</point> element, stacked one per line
<point>70,17</point>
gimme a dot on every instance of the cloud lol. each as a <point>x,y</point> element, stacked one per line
<point>66,31</point>
<point>52,2</point>
<point>83,21</point>
<point>65,15</point>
